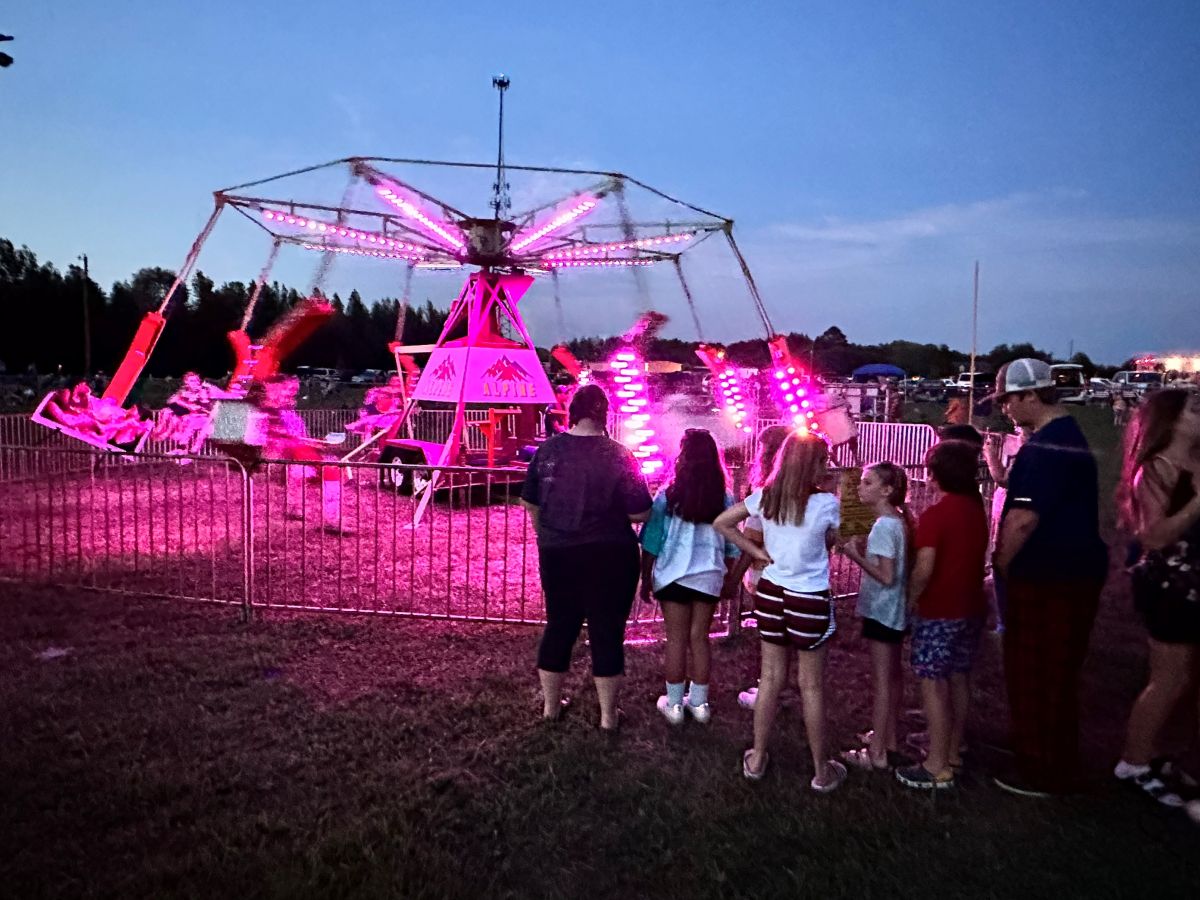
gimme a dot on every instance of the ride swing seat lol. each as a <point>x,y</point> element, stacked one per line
<point>40,417</point>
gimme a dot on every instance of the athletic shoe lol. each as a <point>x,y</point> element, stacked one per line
<point>747,698</point>
<point>701,713</point>
<point>1017,786</point>
<point>672,712</point>
<point>1151,780</point>
<point>921,779</point>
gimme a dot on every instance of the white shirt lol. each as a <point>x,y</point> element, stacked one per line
<point>691,554</point>
<point>800,554</point>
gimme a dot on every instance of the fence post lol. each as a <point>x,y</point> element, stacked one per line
<point>247,544</point>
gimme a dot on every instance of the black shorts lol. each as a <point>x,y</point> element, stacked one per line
<point>1170,619</point>
<point>874,630</point>
<point>678,593</point>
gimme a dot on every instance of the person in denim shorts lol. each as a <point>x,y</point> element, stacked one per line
<point>947,588</point>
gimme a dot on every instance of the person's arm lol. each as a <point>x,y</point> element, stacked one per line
<point>881,568</point>
<point>726,525</point>
<point>737,566</point>
<point>992,451</point>
<point>1033,482</point>
<point>1017,527</point>
<point>648,559</point>
<point>1155,528</point>
<point>921,574</point>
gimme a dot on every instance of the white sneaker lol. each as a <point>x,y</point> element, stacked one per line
<point>701,713</point>
<point>747,698</point>
<point>672,712</point>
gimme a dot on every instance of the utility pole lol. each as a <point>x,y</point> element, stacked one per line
<point>87,321</point>
<point>974,347</point>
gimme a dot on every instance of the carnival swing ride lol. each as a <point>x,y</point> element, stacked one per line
<point>483,371</point>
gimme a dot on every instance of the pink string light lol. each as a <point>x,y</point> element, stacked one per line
<point>629,379</point>
<point>583,207</point>
<point>639,244</point>
<point>412,211</point>
<point>791,395</point>
<point>597,263</point>
<point>362,251</point>
<point>333,229</point>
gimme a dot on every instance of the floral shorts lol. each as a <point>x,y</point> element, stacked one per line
<point>944,647</point>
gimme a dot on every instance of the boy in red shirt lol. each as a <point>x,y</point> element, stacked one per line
<point>947,590</point>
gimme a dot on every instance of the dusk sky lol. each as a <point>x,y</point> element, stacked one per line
<point>869,152</point>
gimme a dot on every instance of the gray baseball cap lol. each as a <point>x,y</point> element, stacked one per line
<point>1022,375</point>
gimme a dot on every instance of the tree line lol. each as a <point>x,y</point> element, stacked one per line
<point>44,311</point>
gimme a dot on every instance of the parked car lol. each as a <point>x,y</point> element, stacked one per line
<point>929,389</point>
<point>370,376</point>
<point>1137,383</point>
<point>961,384</point>
<point>1070,382</point>
<point>1101,390</point>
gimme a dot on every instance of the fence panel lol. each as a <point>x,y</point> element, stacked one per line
<point>153,525</point>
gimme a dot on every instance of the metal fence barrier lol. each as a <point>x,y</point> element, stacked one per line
<point>165,527</point>
<point>287,535</point>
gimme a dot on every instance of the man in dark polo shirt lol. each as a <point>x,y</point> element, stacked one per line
<point>1050,553</point>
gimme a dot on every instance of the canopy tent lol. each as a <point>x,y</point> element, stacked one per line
<point>877,370</point>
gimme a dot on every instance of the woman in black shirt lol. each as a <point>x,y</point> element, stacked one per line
<point>584,491</point>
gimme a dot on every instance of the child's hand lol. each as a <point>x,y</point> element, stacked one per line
<point>760,557</point>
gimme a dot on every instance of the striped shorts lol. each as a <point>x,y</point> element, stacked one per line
<point>803,621</point>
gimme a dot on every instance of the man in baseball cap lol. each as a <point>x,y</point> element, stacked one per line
<point>1053,561</point>
<point>1022,375</point>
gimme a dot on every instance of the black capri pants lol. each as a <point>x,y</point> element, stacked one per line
<point>595,583</point>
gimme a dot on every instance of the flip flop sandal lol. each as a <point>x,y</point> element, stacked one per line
<point>861,759</point>
<point>749,773</point>
<point>839,775</point>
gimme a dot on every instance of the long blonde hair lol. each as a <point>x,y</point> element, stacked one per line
<point>798,465</point>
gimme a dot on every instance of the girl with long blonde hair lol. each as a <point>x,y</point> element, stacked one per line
<point>792,606</point>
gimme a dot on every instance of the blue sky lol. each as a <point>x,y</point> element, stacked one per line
<point>869,152</point>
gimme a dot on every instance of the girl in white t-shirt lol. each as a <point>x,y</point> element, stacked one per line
<point>792,604</point>
<point>770,439</point>
<point>884,557</point>
<point>687,564</point>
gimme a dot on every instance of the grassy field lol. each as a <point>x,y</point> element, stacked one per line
<point>171,751</point>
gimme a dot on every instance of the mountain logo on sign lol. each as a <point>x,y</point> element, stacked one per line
<point>504,369</point>
<point>445,371</point>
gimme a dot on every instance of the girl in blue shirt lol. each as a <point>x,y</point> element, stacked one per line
<point>883,604</point>
<point>686,563</point>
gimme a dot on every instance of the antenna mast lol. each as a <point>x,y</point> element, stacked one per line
<point>501,203</point>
